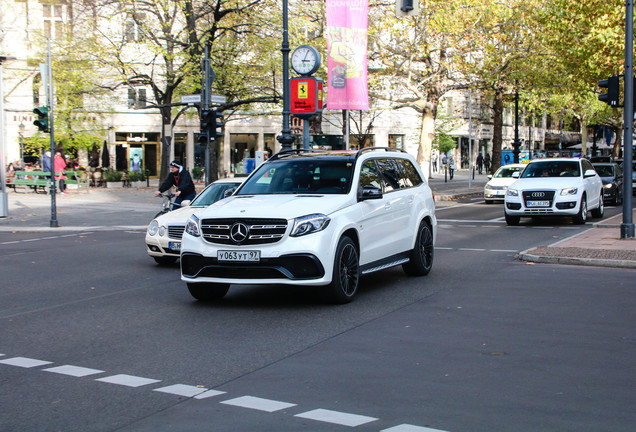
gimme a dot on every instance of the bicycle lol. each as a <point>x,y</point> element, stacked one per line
<point>168,203</point>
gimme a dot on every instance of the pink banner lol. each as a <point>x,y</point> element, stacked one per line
<point>347,54</point>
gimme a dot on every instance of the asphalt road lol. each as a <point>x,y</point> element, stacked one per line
<point>484,343</point>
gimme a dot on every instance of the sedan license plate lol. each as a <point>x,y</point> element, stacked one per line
<point>538,204</point>
<point>239,256</point>
<point>174,245</point>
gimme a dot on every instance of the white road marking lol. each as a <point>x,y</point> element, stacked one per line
<point>182,390</point>
<point>472,249</point>
<point>258,403</point>
<point>24,362</point>
<point>336,417</point>
<point>75,371</point>
<point>410,428</point>
<point>128,380</point>
<point>208,394</point>
<point>503,250</point>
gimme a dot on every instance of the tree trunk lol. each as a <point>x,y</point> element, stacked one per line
<point>425,148</point>
<point>583,138</point>
<point>497,134</point>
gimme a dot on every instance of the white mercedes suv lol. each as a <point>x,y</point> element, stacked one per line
<point>314,218</point>
<point>555,187</point>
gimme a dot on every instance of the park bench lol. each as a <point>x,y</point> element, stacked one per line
<point>39,181</point>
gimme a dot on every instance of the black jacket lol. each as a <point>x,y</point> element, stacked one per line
<point>182,180</point>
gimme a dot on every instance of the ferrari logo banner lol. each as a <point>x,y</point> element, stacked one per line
<point>347,22</point>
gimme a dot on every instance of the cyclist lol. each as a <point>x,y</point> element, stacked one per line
<point>179,177</point>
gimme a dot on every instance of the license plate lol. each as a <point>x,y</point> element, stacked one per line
<point>538,204</point>
<point>174,245</point>
<point>239,256</point>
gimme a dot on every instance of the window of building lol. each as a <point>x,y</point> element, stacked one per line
<point>54,20</point>
<point>133,31</point>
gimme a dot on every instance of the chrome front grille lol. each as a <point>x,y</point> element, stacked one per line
<point>175,231</point>
<point>247,231</point>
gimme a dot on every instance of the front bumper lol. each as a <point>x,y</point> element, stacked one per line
<point>553,205</point>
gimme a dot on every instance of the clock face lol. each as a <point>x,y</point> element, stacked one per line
<point>305,60</point>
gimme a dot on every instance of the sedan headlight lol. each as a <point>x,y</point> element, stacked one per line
<point>192,227</point>
<point>608,186</point>
<point>153,227</point>
<point>569,191</point>
<point>309,224</point>
<point>512,192</point>
<point>162,230</point>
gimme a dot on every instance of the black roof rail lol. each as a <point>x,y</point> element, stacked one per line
<point>388,149</point>
<point>288,152</point>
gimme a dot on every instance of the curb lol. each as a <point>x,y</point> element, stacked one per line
<point>596,262</point>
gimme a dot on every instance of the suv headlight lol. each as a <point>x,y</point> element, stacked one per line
<point>512,192</point>
<point>309,224</point>
<point>153,227</point>
<point>569,191</point>
<point>192,226</point>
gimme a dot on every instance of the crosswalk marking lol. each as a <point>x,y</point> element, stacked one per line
<point>182,390</point>
<point>128,380</point>
<point>75,371</point>
<point>258,403</point>
<point>336,417</point>
<point>24,362</point>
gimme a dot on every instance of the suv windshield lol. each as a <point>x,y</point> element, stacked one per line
<point>552,169</point>
<point>604,170</point>
<point>301,176</point>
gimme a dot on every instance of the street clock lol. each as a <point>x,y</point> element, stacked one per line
<point>305,60</point>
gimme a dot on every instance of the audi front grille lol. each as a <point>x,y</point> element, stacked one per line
<point>538,195</point>
<point>247,231</point>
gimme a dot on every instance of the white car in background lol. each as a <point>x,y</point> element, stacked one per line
<point>163,237</point>
<point>555,187</point>
<point>495,189</point>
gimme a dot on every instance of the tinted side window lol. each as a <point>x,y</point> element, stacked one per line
<point>586,165</point>
<point>410,176</point>
<point>390,174</point>
<point>369,175</point>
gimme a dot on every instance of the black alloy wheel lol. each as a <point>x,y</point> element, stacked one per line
<point>421,260</point>
<point>346,273</point>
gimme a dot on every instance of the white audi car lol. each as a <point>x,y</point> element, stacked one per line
<point>555,187</point>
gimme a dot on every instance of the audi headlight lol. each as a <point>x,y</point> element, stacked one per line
<point>192,227</point>
<point>512,192</point>
<point>569,191</point>
<point>309,224</point>
<point>153,227</point>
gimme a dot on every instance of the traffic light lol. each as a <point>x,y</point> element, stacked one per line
<point>217,128</point>
<point>612,85</point>
<point>43,118</point>
<point>203,138</point>
<point>207,119</point>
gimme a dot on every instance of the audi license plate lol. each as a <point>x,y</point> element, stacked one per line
<point>239,256</point>
<point>174,245</point>
<point>538,204</point>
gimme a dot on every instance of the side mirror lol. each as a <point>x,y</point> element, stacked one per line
<point>185,203</point>
<point>489,176</point>
<point>229,192</point>
<point>516,174</point>
<point>589,173</point>
<point>369,192</point>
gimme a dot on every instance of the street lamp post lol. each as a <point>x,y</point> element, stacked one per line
<point>22,127</point>
<point>286,139</point>
<point>4,203</point>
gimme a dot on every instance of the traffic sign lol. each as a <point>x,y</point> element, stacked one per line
<point>196,98</point>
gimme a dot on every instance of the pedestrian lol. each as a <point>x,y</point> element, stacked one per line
<point>60,167</point>
<point>181,179</point>
<point>480,163</point>
<point>487,163</point>
<point>451,167</point>
<point>434,159</point>
<point>46,161</point>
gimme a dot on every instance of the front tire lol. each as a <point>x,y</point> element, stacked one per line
<point>346,273</point>
<point>208,291</point>
<point>581,217</point>
<point>421,260</point>
<point>165,260</point>
<point>600,210</point>
<point>512,220</point>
